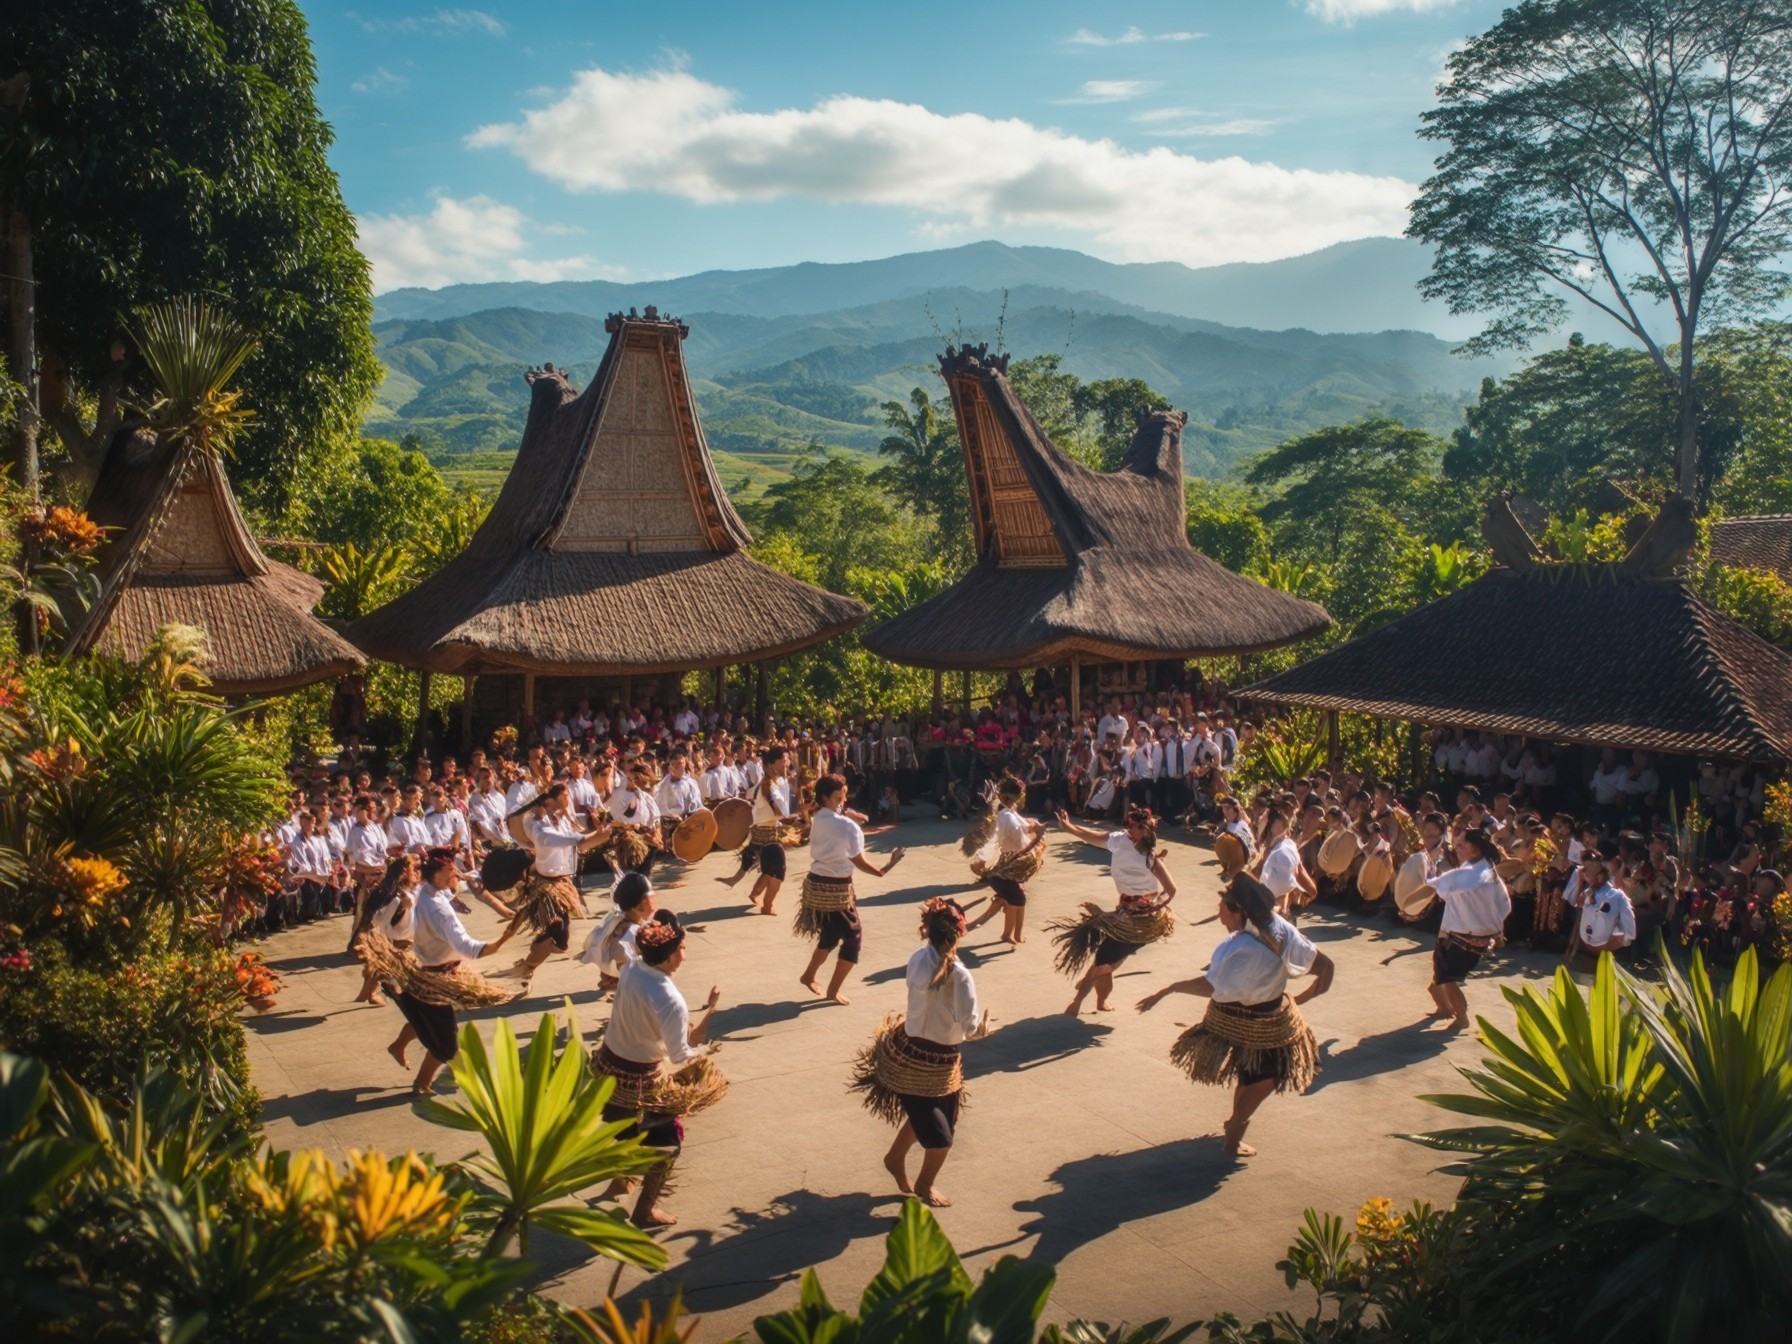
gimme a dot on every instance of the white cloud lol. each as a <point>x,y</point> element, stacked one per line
<point>381,80</point>
<point>1230,126</point>
<point>442,22</point>
<point>1132,37</point>
<point>668,131</point>
<point>1111,90</point>
<point>460,241</point>
<point>1349,11</point>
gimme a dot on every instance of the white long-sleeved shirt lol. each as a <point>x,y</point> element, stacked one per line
<point>440,936</point>
<point>650,1021</point>
<point>945,1013</point>
<point>1476,901</point>
<point>716,785</point>
<point>487,812</point>
<point>1606,912</point>
<point>768,809</point>
<point>557,841</point>
<point>633,807</point>
<point>583,793</point>
<point>447,829</point>
<point>308,857</point>
<point>611,945</point>
<point>408,831</point>
<point>367,844</point>
<point>1245,969</point>
<point>1143,761</point>
<point>678,797</point>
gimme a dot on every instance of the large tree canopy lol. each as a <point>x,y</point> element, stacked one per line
<point>1636,154</point>
<point>153,148</point>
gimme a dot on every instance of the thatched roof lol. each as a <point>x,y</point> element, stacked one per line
<point>1759,541</point>
<point>178,553</point>
<point>1576,653</point>
<point>612,548</point>
<point>1073,562</point>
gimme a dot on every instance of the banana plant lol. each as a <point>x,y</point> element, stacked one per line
<point>540,1112</point>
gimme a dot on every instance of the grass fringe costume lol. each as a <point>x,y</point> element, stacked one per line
<point>894,1065</point>
<point>1079,940</point>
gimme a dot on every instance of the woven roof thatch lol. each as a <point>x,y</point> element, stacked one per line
<point>1074,562</point>
<point>1576,653</point>
<point>178,553</point>
<point>612,549</point>
<point>1759,541</point>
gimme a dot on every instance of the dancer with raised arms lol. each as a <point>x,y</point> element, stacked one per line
<point>1253,1035</point>
<point>829,912</point>
<point>1102,939</point>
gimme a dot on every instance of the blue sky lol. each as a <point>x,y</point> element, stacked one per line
<point>598,139</point>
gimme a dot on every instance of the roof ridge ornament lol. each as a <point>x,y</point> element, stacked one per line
<point>640,317</point>
<point>971,358</point>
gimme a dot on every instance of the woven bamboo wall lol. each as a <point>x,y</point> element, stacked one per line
<point>191,538</point>
<point>637,492</point>
<point>1024,536</point>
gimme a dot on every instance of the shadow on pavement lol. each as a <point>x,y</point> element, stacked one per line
<point>1015,1047</point>
<point>762,1249</point>
<point>335,1103</point>
<point>1385,1052</point>
<point>745,1016</point>
<point>1098,1195</point>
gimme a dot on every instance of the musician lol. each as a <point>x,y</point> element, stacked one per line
<point>677,795</point>
<point>1282,871</point>
<point>765,848</point>
<point>1476,904</point>
<point>581,788</point>
<point>632,808</point>
<point>486,810</point>
<point>550,896</point>
<point>716,784</point>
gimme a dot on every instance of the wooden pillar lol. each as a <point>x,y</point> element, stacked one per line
<point>967,690</point>
<point>628,692</point>
<point>528,695</point>
<point>759,699</point>
<point>1332,748</point>
<point>420,739</point>
<point>939,692</point>
<point>721,686</point>
<point>1076,688</point>
<point>466,714</point>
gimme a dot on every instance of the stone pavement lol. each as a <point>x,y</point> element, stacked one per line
<point>1082,1147</point>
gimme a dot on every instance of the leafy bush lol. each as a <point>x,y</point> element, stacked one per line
<point>103,1022</point>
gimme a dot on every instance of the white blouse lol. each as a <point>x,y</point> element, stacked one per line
<point>1131,869</point>
<point>1245,970</point>
<point>768,810</point>
<point>1475,900</point>
<point>945,1013</point>
<point>834,840</point>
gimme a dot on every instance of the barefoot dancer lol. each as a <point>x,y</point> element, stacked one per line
<point>393,901</point>
<point>432,983</point>
<point>611,945</point>
<point>910,1073</point>
<point>1476,904</point>
<point>830,911</point>
<point>550,896</point>
<point>651,1025</point>
<point>1101,938</point>
<point>1253,1034</point>
<point>771,806</point>
<point>1020,848</point>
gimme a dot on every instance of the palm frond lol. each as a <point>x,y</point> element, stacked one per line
<point>193,350</point>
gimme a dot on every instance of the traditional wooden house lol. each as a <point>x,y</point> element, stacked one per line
<point>612,552</point>
<point>1607,655</point>
<point>178,552</point>
<point>1755,541</point>
<point>1077,566</point>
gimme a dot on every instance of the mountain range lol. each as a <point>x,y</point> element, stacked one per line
<point>787,358</point>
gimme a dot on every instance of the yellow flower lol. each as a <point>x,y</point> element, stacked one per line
<point>304,1187</point>
<point>1386,1240</point>
<point>92,880</point>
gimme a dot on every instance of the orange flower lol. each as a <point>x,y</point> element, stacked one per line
<point>63,529</point>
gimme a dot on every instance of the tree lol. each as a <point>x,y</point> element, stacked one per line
<point>1110,409</point>
<point>1092,422</point>
<point>383,495</point>
<point>926,470</point>
<point>1223,524</point>
<point>836,512</point>
<point>1630,154</point>
<point>150,150</point>
<point>1332,477</point>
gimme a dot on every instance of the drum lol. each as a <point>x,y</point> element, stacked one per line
<point>1374,877</point>
<point>1508,869</point>
<point>695,836</point>
<point>1412,893</point>
<point>734,818</point>
<point>1338,852</point>
<point>505,868</point>
<point>1230,851</point>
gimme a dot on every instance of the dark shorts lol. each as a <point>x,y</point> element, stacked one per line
<point>1112,951</point>
<point>558,933</point>
<point>771,861</point>
<point>841,929</point>
<point>1451,964</point>
<point>434,1025</point>
<point>933,1119</point>
<point>1007,889</point>
<point>1247,1077</point>
<point>653,1129</point>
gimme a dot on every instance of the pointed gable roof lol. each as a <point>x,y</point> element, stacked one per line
<point>178,552</point>
<point>1754,541</point>
<point>1079,562</point>
<point>1574,653</point>
<point>612,548</point>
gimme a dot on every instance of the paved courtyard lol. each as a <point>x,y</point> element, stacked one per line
<point>1082,1148</point>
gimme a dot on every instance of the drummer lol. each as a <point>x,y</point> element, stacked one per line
<point>677,795</point>
<point>1476,904</point>
<point>633,805</point>
<point>1283,872</point>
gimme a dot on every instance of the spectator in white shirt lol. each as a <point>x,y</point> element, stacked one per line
<point>650,1027</point>
<point>1283,872</point>
<point>1607,920</point>
<point>486,809</point>
<point>1608,785</point>
<point>406,829</point>
<point>1476,905</point>
<point>677,795</point>
<point>556,729</point>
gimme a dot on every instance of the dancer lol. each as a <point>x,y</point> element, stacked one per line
<point>431,982</point>
<point>1476,904</point>
<point>395,897</point>
<point>1017,845</point>
<point>911,1074</point>
<point>829,912</point>
<point>1253,1034</point>
<point>1102,939</point>
<point>550,896</point>
<point>611,945</point>
<point>650,1025</point>
<point>765,849</point>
